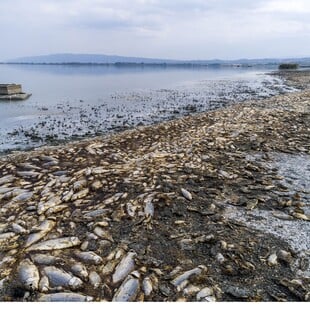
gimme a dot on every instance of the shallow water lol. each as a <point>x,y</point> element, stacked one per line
<point>74,101</point>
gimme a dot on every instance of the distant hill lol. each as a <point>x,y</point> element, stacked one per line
<point>114,59</point>
<point>87,58</point>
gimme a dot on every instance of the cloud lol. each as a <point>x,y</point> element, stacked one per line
<point>154,28</point>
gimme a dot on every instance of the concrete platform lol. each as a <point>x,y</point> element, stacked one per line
<point>20,96</point>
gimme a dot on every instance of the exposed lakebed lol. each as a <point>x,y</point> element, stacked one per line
<point>73,102</point>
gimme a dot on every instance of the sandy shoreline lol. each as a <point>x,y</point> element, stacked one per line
<point>162,193</point>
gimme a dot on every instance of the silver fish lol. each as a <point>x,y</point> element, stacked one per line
<point>149,209</point>
<point>89,257</point>
<point>44,228</point>
<point>43,206</point>
<point>28,275</point>
<point>128,291</point>
<point>205,292</point>
<point>272,259</point>
<point>44,284</point>
<point>81,194</point>
<point>186,194</point>
<point>184,276</point>
<point>28,174</point>
<point>45,259</point>
<point>67,196</point>
<point>18,228</point>
<point>94,279</point>
<point>79,185</point>
<point>55,244</point>
<point>147,286</point>
<point>126,265</point>
<point>56,209</point>
<point>7,235</point>
<point>58,277</point>
<point>80,271</point>
<point>64,297</point>
<point>7,179</point>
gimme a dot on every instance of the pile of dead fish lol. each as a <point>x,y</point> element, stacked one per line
<point>139,215</point>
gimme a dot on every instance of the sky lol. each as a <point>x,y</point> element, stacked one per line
<point>170,29</point>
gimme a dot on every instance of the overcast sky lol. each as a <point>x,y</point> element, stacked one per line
<point>175,29</point>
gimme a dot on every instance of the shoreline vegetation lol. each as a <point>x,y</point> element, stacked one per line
<point>175,211</point>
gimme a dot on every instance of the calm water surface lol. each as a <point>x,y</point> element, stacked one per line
<point>73,101</point>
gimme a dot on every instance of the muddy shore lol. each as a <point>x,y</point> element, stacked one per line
<point>210,207</point>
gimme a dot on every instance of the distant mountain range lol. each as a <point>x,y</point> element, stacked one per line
<point>113,59</point>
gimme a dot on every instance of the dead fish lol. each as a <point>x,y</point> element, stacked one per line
<point>108,267</point>
<point>126,265</point>
<point>224,174</point>
<point>282,216</point>
<point>191,290</point>
<point>6,236</point>
<point>44,228</point>
<point>149,209</point>
<point>301,216</point>
<point>18,229</point>
<point>104,234</point>
<point>55,244</point>
<point>28,275</point>
<point>5,190</point>
<point>147,286</point>
<point>204,293</point>
<point>79,185</point>
<point>220,258</point>
<point>56,209</point>
<point>186,194</point>
<point>28,166</point>
<point>81,194</point>
<point>48,158</point>
<point>94,279</point>
<point>6,260</point>
<point>24,196</point>
<point>65,297</point>
<point>7,179</point>
<point>44,284</point>
<point>272,259</point>
<point>100,170</point>
<point>67,196</point>
<point>128,291</point>
<point>80,271</point>
<point>96,185</point>
<point>43,206</point>
<point>28,174</point>
<point>131,209</point>
<point>89,257</point>
<point>95,213</point>
<point>45,259</point>
<point>184,276</point>
<point>58,277</point>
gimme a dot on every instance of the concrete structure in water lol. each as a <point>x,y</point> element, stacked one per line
<point>10,89</point>
<point>12,92</point>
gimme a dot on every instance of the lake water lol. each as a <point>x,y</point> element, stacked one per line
<point>75,101</point>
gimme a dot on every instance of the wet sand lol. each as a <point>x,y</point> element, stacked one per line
<point>175,211</point>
